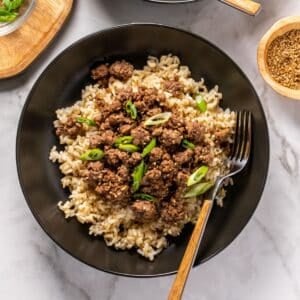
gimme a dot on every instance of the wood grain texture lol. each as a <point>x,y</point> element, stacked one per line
<point>190,252</point>
<point>279,28</point>
<point>20,48</point>
<point>248,6</point>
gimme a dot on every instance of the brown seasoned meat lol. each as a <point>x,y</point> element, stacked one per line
<point>174,87</point>
<point>153,111</point>
<point>111,187</point>
<point>140,136</point>
<point>173,211</point>
<point>168,169</point>
<point>146,98</point>
<point>114,157</point>
<point>125,129</point>
<point>203,155</point>
<point>71,128</point>
<point>123,172</point>
<point>144,210</point>
<point>157,131</point>
<point>184,157</point>
<point>181,180</point>
<point>93,172</point>
<point>100,72</point>
<point>195,132</point>
<point>121,70</point>
<point>156,155</point>
<point>170,138</point>
<point>175,122</point>
<point>106,138</point>
<point>151,177</point>
<point>134,159</point>
<point>118,119</point>
<point>124,95</point>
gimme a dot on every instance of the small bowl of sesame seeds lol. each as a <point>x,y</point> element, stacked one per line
<point>278,57</point>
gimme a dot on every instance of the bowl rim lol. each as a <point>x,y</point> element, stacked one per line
<point>41,77</point>
<point>278,28</point>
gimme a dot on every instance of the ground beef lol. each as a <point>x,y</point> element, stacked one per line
<point>174,87</point>
<point>71,128</point>
<point>140,136</point>
<point>173,211</point>
<point>144,210</point>
<point>153,111</point>
<point>121,70</point>
<point>168,169</point>
<point>222,135</point>
<point>184,157</point>
<point>118,119</point>
<point>156,155</point>
<point>106,138</point>
<point>175,122</point>
<point>151,177</point>
<point>125,129</point>
<point>124,95</point>
<point>100,72</point>
<point>203,155</point>
<point>111,187</point>
<point>134,159</point>
<point>115,157</point>
<point>195,132</point>
<point>170,138</point>
<point>146,98</point>
<point>124,173</point>
<point>93,172</point>
<point>181,180</point>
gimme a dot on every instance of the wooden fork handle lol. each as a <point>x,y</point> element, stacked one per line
<point>248,6</point>
<point>190,252</point>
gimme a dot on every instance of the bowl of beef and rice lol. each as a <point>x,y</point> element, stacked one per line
<point>128,144</point>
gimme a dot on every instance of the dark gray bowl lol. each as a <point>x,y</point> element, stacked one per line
<point>60,85</point>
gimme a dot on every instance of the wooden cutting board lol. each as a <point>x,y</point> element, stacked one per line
<point>20,48</point>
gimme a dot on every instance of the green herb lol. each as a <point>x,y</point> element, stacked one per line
<point>128,147</point>
<point>86,121</point>
<point>149,147</point>
<point>158,119</point>
<point>197,176</point>
<point>187,144</point>
<point>137,175</point>
<point>144,197</point>
<point>7,16</point>
<point>131,109</point>
<point>127,139</point>
<point>201,103</point>
<point>12,4</point>
<point>93,154</point>
<point>198,189</point>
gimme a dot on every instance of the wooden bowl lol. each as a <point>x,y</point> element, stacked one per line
<point>279,28</point>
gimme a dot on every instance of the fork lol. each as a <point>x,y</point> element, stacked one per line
<point>238,160</point>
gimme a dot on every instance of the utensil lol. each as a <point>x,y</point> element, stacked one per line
<point>66,75</point>
<point>247,6</point>
<point>279,28</point>
<point>238,161</point>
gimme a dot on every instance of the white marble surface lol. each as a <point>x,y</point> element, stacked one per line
<point>262,263</point>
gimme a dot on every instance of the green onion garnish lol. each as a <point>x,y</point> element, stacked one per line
<point>197,176</point>
<point>7,16</point>
<point>93,154</point>
<point>144,197</point>
<point>158,119</point>
<point>131,109</point>
<point>187,144</point>
<point>149,147</point>
<point>128,147</point>
<point>86,121</point>
<point>127,139</point>
<point>198,189</point>
<point>12,4</point>
<point>137,175</point>
<point>201,103</point>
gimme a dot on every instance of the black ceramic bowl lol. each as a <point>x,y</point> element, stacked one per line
<point>60,85</point>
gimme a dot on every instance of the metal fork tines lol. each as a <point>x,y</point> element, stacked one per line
<point>242,142</point>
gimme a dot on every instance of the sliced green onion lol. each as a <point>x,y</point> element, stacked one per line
<point>128,147</point>
<point>144,197</point>
<point>198,189</point>
<point>86,121</point>
<point>131,109</point>
<point>149,147</point>
<point>197,176</point>
<point>93,154</point>
<point>12,4</point>
<point>137,175</point>
<point>127,139</point>
<point>158,119</point>
<point>187,144</point>
<point>7,16</point>
<point>201,103</point>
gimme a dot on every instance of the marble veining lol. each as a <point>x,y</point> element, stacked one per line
<point>262,263</point>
